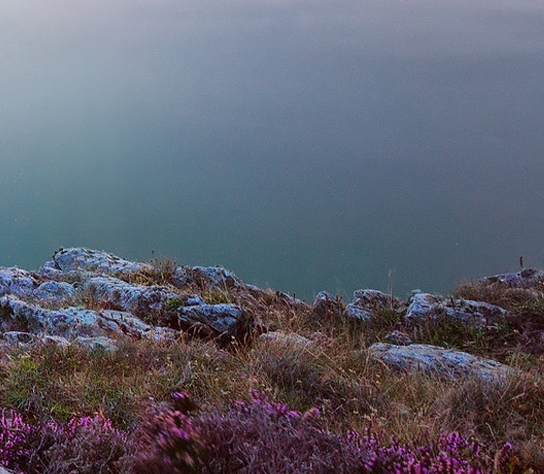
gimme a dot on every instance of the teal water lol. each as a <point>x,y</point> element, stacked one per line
<point>304,145</point>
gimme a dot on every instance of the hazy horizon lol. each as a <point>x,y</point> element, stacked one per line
<point>305,145</point>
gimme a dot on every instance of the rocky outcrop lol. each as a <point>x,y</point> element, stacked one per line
<point>424,306</point>
<point>525,278</point>
<point>438,360</point>
<point>367,302</point>
<point>19,317</point>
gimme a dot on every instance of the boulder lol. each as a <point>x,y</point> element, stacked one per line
<point>55,291</point>
<point>14,281</point>
<point>209,278</point>
<point>354,311</point>
<point>223,320</point>
<point>424,306</point>
<point>327,305</point>
<point>438,360</point>
<point>374,299</point>
<point>286,338</point>
<point>74,322</point>
<point>80,259</point>
<point>365,303</point>
<point>140,300</point>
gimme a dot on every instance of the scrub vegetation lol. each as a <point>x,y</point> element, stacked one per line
<point>265,406</point>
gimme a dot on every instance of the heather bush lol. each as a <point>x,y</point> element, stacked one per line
<point>86,445</point>
<point>170,440</point>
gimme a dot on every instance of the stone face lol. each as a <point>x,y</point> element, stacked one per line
<point>438,360</point>
<point>425,306</point>
<point>215,320</point>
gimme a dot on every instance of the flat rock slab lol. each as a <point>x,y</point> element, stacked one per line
<point>438,360</point>
<point>424,306</point>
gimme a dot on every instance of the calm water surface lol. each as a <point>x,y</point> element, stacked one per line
<point>303,144</point>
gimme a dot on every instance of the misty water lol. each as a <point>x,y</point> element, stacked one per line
<point>303,144</point>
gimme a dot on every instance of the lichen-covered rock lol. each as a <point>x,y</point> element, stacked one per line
<point>17,315</point>
<point>55,291</point>
<point>354,311</point>
<point>226,321</point>
<point>208,278</point>
<point>438,360</point>
<point>374,299</point>
<point>286,338</point>
<point>367,302</point>
<point>327,305</point>
<point>73,322</point>
<point>523,279</point>
<point>142,301</point>
<point>424,306</point>
<point>15,281</point>
<point>80,259</point>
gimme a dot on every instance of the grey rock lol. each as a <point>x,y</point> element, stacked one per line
<point>325,304</point>
<point>438,360</point>
<point>289,338</point>
<point>425,306</point>
<point>374,299</point>
<point>205,278</point>
<point>357,312</point>
<point>94,343</point>
<point>17,315</point>
<point>365,303</point>
<point>522,279</point>
<point>55,291</point>
<point>140,300</point>
<point>15,281</point>
<point>224,320</point>
<point>399,338</point>
<point>73,322</point>
<point>81,259</point>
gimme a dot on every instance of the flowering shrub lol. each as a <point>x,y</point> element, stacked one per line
<point>84,445</point>
<point>256,436</point>
<point>171,441</point>
<point>266,437</point>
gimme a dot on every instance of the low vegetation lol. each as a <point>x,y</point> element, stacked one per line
<point>263,406</point>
